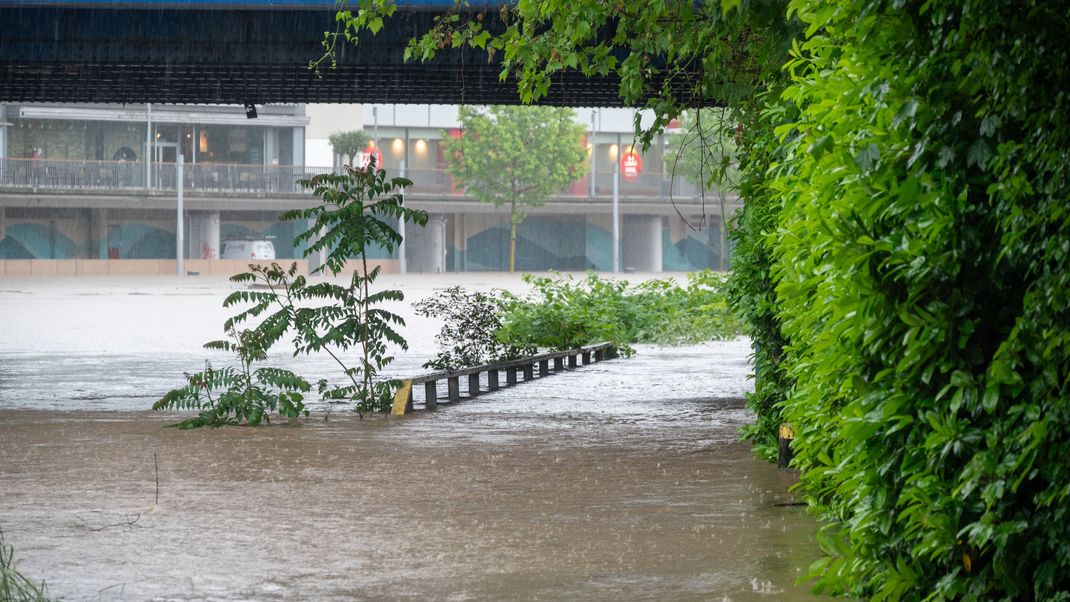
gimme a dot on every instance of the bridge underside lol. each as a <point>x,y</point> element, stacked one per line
<point>53,54</point>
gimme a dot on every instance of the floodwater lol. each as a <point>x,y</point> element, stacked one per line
<point>621,480</point>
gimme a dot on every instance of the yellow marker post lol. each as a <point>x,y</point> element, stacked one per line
<point>402,398</point>
<point>784,452</point>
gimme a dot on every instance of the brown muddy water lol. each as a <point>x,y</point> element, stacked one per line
<point>622,480</point>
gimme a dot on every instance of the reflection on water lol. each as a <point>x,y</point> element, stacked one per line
<point>620,480</point>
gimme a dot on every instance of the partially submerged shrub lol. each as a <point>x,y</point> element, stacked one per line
<point>469,334</point>
<point>359,208</point>
<point>563,313</point>
<point>239,395</point>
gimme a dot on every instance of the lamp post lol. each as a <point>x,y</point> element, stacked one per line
<point>179,225</point>
<point>616,217</point>
<point>148,145</point>
<point>594,148</point>
<point>402,264</point>
<point>375,132</point>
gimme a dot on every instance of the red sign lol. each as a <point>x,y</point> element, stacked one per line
<point>631,165</point>
<point>363,158</point>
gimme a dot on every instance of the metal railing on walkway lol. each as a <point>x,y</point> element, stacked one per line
<point>75,175</point>
<point>517,371</point>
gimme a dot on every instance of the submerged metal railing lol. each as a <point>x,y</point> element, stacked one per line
<point>74,175</point>
<point>516,372</point>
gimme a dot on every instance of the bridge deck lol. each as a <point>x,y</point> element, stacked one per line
<point>73,53</point>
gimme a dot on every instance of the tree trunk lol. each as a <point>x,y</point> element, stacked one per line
<point>512,245</point>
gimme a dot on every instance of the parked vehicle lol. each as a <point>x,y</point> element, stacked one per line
<point>248,248</point>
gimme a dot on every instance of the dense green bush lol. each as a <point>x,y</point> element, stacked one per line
<point>562,313</point>
<point>238,395</point>
<point>923,267</point>
<point>470,324</point>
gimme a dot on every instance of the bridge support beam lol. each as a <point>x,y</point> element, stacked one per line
<point>641,243</point>
<point>98,234</point>
<point>425,248</point>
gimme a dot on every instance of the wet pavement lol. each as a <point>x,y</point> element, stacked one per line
<point>621,480</point>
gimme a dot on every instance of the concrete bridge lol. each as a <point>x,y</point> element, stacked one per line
<point>242,52</point>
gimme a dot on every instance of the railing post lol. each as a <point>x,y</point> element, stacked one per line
<point>510,376</point>
<point>492,380</point>
<point>586,357</point>
<point>572,360</point>
<point>559,364</point>
<point>454,387</point>
<point>473,384</point>
<point>431,394</point>
<point>599,355</point>
<point>529,372</point>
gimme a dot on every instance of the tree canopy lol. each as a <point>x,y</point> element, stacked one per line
<point>516,157</point>
<point>349,144</point>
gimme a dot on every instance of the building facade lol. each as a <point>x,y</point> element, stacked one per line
<point>75,185</point>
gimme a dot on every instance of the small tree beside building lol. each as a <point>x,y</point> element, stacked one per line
<point>516,157</point>
<point>349,144</point>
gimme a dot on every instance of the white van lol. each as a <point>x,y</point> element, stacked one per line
<point>247,248</point>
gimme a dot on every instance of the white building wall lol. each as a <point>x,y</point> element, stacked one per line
<point>327,119</point>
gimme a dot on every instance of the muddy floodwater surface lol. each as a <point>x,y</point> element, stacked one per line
<point>622,480</point>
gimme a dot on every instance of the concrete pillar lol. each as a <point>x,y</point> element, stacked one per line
<point>460,242</point>
<point>204,235</point>
<point>3,132</point>
<point>431,394</point>
<point>425,248</point>
<point>98,234</point>
<point>642,243</point>
<point>271,146</point>
<point>317,258</point>
<point>210,244</point>
<point>299,146</point>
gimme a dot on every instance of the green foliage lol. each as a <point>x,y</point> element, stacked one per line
<point>14,586</point>
<point>669,56</point>
<point>751,286</point>
<point>349,144</point>
<point>562,313</point>
<point>359,208</point>
<point>922,265</point>
<point>236,395</point>
<point>516,157</point>
<point>469,332</point>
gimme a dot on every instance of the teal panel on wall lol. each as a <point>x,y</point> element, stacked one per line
<point>40,242</point>
<point>541,244</point>
<point>599,248</point>
<point>672,259</point>
<point>148,242</point>
<point>13,249</point>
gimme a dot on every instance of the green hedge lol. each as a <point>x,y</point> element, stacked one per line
<point>922,261</point>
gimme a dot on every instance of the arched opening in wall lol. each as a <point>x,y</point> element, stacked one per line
<point>124,154</point>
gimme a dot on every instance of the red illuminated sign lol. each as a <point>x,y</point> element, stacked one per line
<point>631,165</point>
